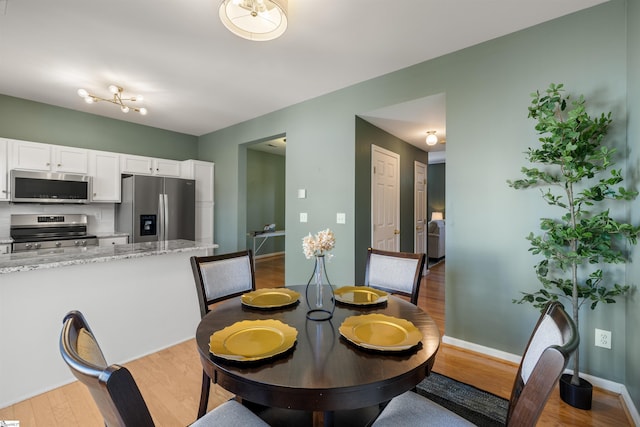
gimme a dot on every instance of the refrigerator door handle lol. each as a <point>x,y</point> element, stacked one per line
<point>166,217</point>
<point>161,212</point>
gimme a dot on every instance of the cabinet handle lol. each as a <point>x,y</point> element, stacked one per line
<point>59,164</point>
<point>48,164</point>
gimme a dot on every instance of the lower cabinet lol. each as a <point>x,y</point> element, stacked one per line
<point>5,249</point>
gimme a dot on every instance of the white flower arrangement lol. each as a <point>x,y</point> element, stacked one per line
<point>317,245</point>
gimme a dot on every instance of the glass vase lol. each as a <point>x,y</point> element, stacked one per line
<point>319,284</point>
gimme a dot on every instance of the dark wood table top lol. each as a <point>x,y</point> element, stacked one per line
<point>323,371</point>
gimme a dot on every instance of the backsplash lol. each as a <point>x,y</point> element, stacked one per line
<point>101,216</point>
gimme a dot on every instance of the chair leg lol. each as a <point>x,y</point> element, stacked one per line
<point>204,395</point>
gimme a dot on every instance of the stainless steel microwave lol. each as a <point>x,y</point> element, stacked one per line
<point>49,187</point>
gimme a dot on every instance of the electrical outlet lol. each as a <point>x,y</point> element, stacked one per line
<point>341,218</point>
<point>603,338</point>
<point>303,217</point>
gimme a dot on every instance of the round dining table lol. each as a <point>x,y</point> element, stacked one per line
<point>322,372</point>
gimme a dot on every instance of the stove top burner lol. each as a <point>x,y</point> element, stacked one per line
<point>30,232</point>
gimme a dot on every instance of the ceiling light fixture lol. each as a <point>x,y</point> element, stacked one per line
<point>259,20</point>
<point>432,139</point>
<point>117,99</point>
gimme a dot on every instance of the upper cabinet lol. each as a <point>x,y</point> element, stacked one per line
<point>104,167</point>
<point>4,182</point>
<point>48,158</point>
<point>141,165</point>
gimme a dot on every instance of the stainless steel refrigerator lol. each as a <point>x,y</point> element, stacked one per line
<point>156,208</point>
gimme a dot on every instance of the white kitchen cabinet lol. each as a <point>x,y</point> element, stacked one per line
<point>204,221</point>
<point>69,159</point>
<point>166,167</point>
<point>139,165</point>
<point>104,168</point>
<point>203,173</point>
<point>110,241</point>
<point>29,155</point>
<point>4,181</point>
<point>48,158</point>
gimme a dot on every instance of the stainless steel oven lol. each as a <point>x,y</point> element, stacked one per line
<point>33,232</point>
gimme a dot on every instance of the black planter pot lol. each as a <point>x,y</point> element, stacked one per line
<point>578,396</point>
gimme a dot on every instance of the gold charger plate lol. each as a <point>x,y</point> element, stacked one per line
<point>251,340</point>
<point>360,295</point>
<point>380,332</point>
<point>270,298</point>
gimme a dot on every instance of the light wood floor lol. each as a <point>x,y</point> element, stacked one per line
<point>170,379</point>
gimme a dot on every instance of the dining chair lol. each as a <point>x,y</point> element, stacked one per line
<point>114,389</point>
<point>217,278</point>
<point>554,339</point>
<point>395,272</point>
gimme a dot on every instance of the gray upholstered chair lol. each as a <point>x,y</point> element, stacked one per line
<point>395,272</point>
<point>220,277</point>
<point>554,339</point>
<point>115,391</point>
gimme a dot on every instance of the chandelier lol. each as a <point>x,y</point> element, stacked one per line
<point>258,20</point>
<point>117,99</point>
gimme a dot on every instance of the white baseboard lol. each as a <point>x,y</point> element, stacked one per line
<point>602,383</point>
<point>271,255</point>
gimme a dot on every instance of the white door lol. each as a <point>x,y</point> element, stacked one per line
<point>385,199</point>
<point>420,207</point>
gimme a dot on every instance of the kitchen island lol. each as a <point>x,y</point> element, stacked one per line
<point>138,298</point>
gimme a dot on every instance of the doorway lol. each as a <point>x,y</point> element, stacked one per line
<point>265,197</point>
<point>385,199</point>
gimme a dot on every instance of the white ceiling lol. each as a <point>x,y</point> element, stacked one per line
<point>197,77</point>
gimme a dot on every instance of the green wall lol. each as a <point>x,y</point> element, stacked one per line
<point>436,181</point>
<point>265,197</point>
<point>33,121</point>
<point>366,136</point>
<point>487,88</point>
<point>633,178</point>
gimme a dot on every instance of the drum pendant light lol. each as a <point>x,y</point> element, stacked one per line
<point>258,20</point>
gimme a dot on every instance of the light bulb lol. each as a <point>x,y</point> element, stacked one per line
<point>83,93</point>
<point>138,98</point>
<point>432,139</point>
<point>88,100</point>
<point>124,109</point>
<point>114,89</point>
<point>143,111</point>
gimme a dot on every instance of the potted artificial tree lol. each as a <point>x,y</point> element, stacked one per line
<point>577,245</point>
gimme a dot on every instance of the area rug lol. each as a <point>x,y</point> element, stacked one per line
<point>478,406</point>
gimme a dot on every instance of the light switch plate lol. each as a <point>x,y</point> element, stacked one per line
<point>341,218</point>
<point>302,193</point>
<point>303,217</point>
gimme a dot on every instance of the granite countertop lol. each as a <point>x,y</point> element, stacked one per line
<point>54,258</point>
<point>5,240</point>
